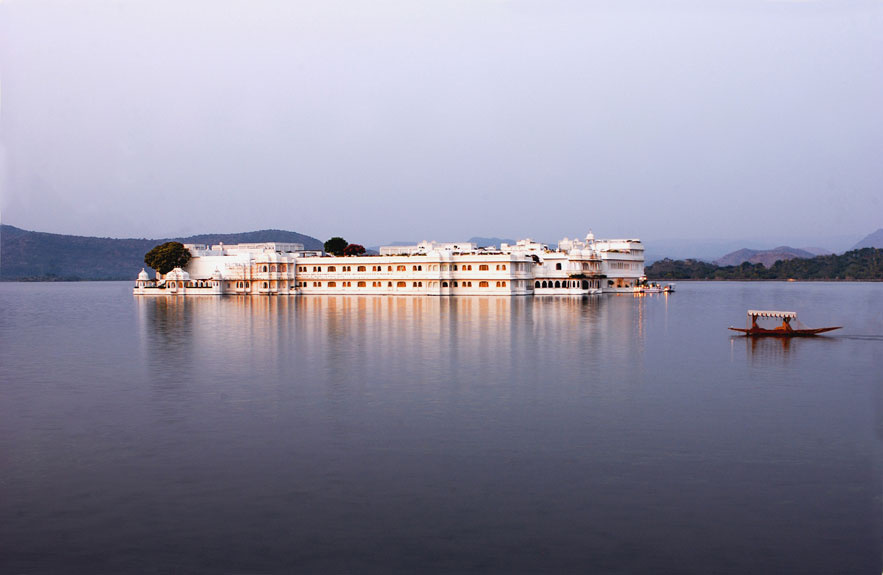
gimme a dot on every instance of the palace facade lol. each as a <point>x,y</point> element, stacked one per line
<point>573,267</point>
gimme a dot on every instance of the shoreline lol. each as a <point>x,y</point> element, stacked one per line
<point>831,280</point>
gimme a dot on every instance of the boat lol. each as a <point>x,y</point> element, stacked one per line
<point>654,288</point>
<point>785,329</point>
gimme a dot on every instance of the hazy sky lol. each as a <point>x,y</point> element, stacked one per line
<point>443,119</point>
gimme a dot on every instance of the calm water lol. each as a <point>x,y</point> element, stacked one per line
<point>380,434</point>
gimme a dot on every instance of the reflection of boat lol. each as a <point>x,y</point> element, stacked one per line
<point>654,288</point>
<point>783,330</point>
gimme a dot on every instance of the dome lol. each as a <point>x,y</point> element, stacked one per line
<point>216,275</point>
<point>143,275</point>
<point>178,274</point>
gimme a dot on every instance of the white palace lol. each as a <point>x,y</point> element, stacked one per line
<point>574,267</point>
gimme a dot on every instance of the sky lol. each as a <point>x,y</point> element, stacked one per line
<point>443,119</point>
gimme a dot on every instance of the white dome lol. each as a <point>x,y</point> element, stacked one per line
<point>178,274</point>
<point>143,275</point>
<point>216,275</point>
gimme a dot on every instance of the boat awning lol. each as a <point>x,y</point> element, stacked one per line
<point>769,313</point>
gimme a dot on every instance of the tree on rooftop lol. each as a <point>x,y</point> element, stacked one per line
<point>354,250</point>
<point>335,246</point>
<point>168,256</point>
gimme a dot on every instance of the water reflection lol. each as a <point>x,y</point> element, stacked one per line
<point>413,434</point>
<point>358,339</point>
<point>780,350</point>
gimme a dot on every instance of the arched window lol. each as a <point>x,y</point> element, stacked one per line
<point>482,284</point>
<point>536,284</point>
<point>265,268</point>
<point>332,268</point>
<point>361,269</point>
<point>444,284</point>
<point>332,284</point>
<point>360,284</point>
<point>483,268</point>
<point>557,284</point>
<point>266,285</point>
<point>557,266</point>
<point>401,284</point>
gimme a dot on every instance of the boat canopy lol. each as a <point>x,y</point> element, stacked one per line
<point>767,313</point>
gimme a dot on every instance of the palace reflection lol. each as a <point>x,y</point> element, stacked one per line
<point>352,342</point>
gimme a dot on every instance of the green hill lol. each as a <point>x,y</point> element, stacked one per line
<point>863,264</point>
<point>40,256</point>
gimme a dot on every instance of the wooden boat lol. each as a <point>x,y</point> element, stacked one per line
<point>783,330</point>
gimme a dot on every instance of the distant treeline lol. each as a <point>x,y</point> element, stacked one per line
<point>863,264</point>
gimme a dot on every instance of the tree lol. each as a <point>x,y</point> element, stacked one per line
<point>354,250</point>
<point>168,256</point>
<point>335,246</point>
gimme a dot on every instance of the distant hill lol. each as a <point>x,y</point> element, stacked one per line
<point>863,264</point>
<point>710,249</point>
<point>765,257</point>
<point>817,251</point>
<point>40,256</point>
<point>874,240</point>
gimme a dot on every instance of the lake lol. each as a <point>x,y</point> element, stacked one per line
<point>360,434</point>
